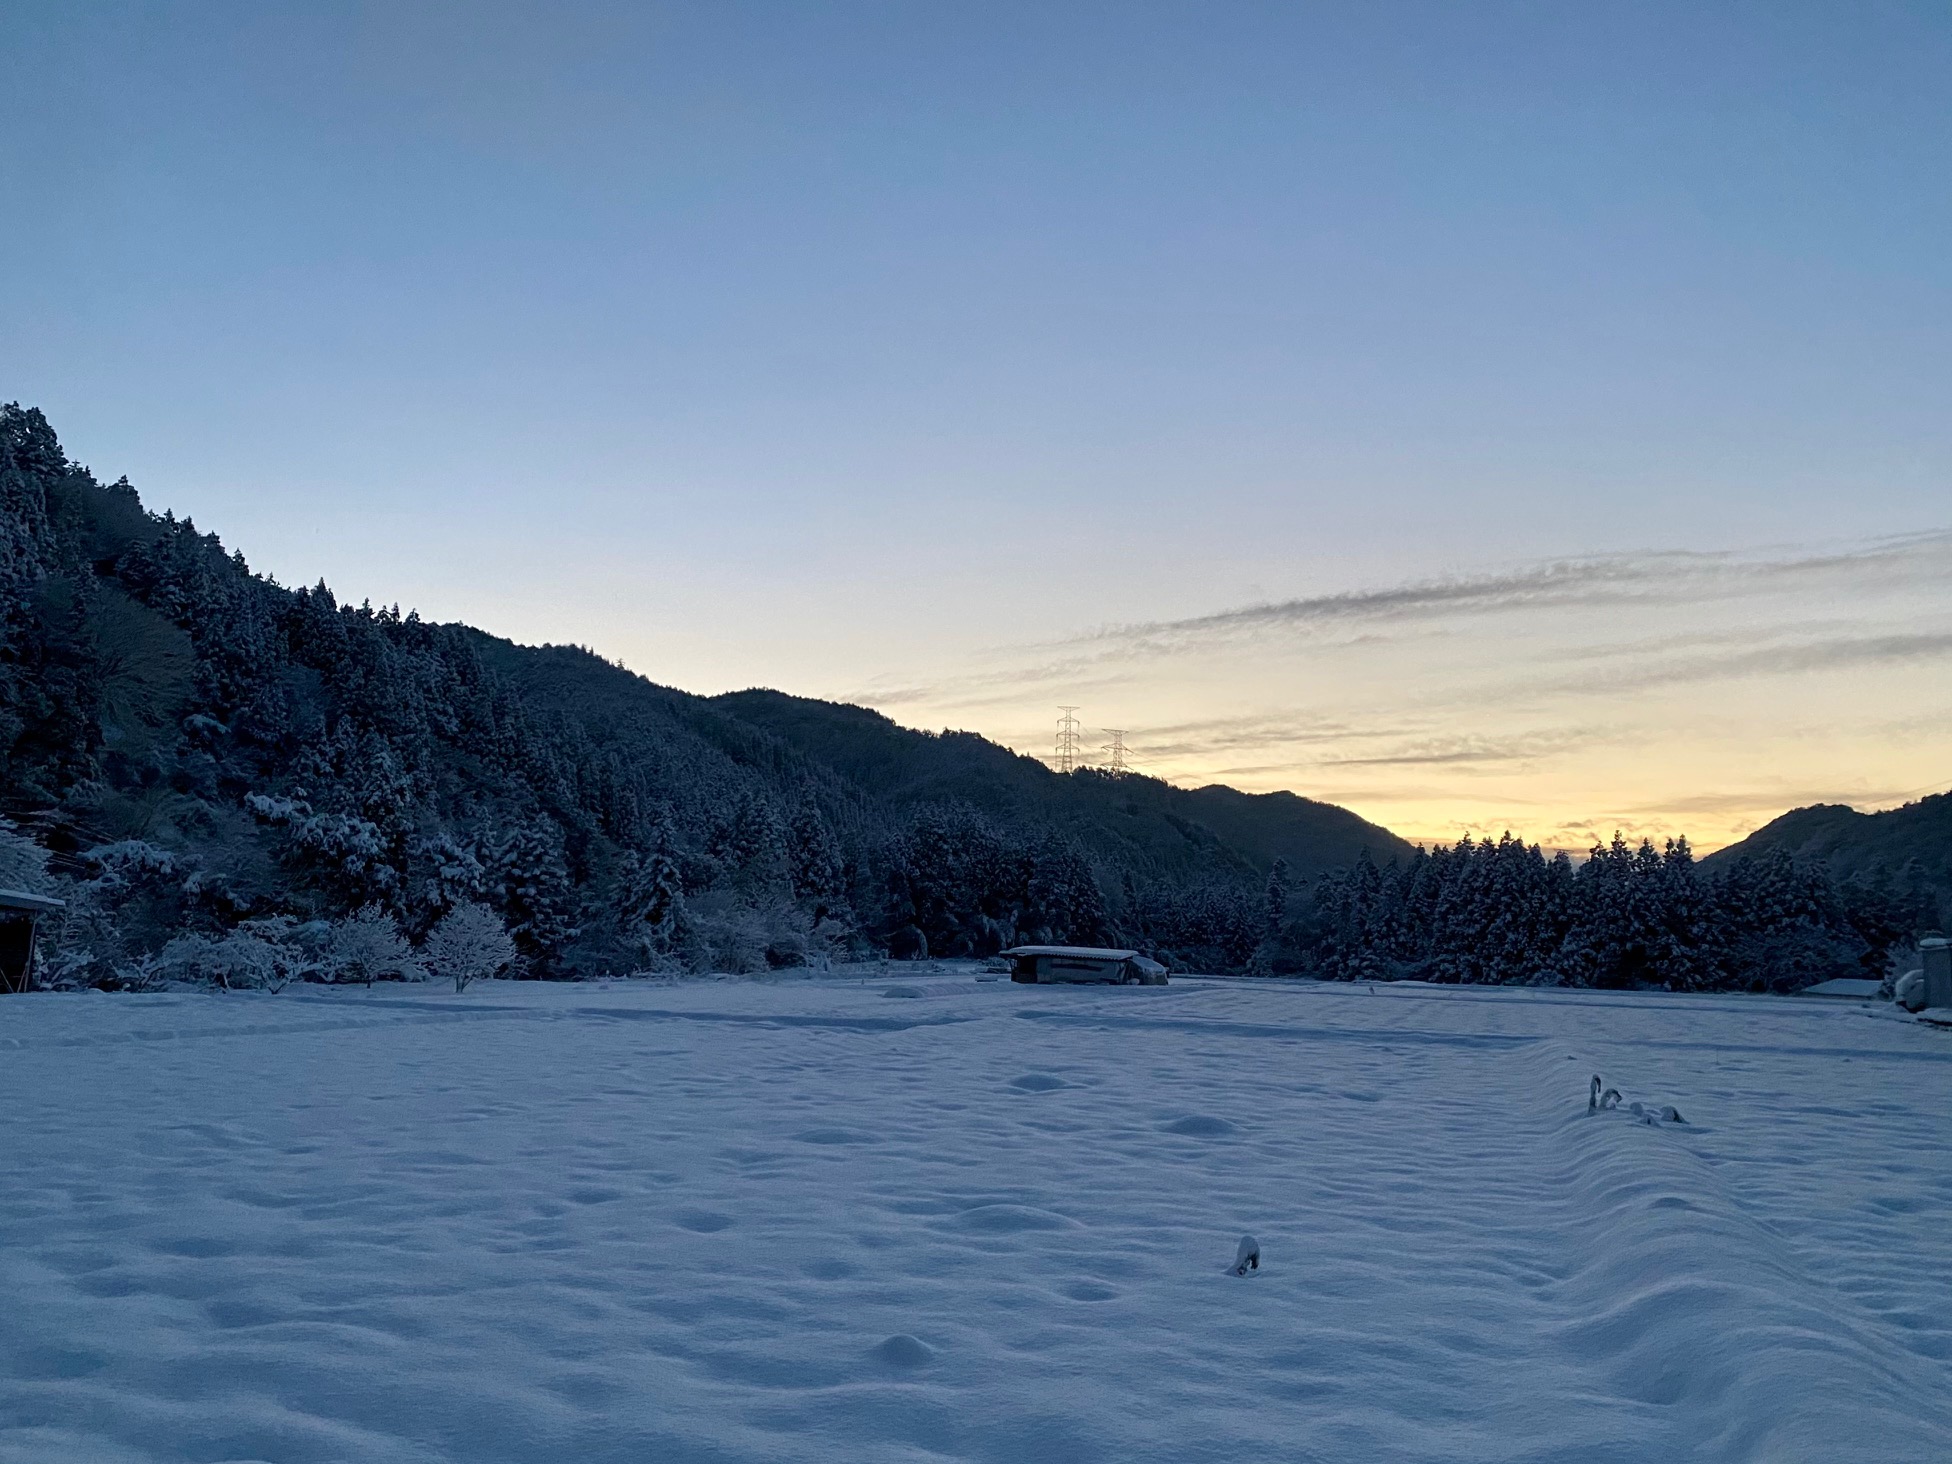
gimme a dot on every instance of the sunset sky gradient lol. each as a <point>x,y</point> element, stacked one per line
<point>1484,416</point>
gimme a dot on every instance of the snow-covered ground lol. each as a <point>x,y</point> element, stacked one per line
<point>815,1220</point>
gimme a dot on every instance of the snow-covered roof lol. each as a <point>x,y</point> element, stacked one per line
<point>22,900</point>
<point>1085,953</point>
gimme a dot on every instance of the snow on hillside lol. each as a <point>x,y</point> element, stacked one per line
<point>812,1221</point>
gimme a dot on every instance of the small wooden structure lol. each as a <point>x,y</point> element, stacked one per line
<point>20,912</point>
<point>1050,964</point>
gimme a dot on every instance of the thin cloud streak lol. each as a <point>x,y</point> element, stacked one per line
<point>1454,751</point>
<point>1599,580</point>
<point>1772,802</point>
<point>1841,653</point>
<point>1665,578</point>
<point>1516,694</point>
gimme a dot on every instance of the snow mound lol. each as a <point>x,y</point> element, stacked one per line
<point>902,1350</point>
<point>1039,1083</point>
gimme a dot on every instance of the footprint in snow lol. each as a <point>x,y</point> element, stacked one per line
<point>1201,1126</point>
<point>1038,1083</point>
<point>704,1222</point>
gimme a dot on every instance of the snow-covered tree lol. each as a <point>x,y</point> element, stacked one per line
<point>751,847</point>
<point>814,857</point>
<point>349,857</point>
<point>537,898</point>
<point>649,905</point>
<point>291,949</point>
<point>446,871</point>
<point>367,946</point>
<point>238,961</point>
<point>468,944</point>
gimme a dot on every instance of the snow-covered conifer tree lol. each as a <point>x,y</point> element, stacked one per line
<point>537,898</point>
<point>814,859</point>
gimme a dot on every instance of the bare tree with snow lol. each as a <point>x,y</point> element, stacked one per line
<point>367,945</point>
<point>469,943</point>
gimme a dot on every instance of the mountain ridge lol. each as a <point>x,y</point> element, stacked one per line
<point>1909,847</point>
<point>200,747</point>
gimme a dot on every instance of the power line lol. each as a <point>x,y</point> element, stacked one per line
<point>1115,751</point>
<point>1067,740</point>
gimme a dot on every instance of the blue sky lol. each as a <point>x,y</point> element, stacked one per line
<point>873,350</point>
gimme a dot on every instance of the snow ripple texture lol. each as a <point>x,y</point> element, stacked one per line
<point>799,1222</point>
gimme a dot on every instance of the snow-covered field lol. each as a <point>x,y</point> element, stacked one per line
<point>818,1220</point>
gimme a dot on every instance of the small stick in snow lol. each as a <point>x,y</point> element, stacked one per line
<point>1605,1102</point>
<point>1600,1102</point>
<point>1248,1256</point>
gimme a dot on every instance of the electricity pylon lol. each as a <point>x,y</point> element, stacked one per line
<point>1115,751</point>
<point>1067,740</point>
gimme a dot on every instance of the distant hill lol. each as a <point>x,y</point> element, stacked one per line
<point>201,749</point>
<point>873,768</point>
<point>1129,819</point>
<point>1910,847</point>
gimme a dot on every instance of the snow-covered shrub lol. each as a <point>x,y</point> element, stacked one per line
<point>832,940</point>
<point>292,949</point>
<point>723,933</point>
<point>469,943</point>
<point>127,905</point>
<point>195,958</point>
<point>143,972</point>
<point>262,955</point>
<point>366,947</point>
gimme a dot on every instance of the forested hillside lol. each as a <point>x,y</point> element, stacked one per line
<point>215,760</point>
<point>236,782</point>
<point>1908,848</point>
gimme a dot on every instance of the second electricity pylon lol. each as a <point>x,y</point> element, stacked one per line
<point>1115,751</point>
<point>1067,740</point>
